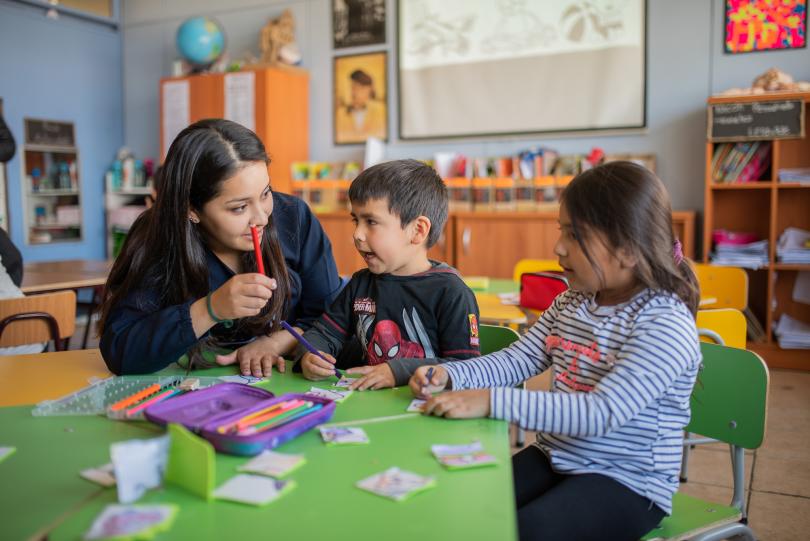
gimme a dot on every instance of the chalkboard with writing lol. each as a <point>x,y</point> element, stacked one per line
<point>753,120</point>
<point>49,133</point>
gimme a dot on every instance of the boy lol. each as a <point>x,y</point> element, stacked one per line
<point>404,307</point>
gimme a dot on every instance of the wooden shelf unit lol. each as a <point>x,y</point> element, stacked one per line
<point>766,208</point>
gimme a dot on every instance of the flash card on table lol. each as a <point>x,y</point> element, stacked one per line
<point>273,464</point>
<point>239,378</point>
<point>253,489</point>
<point>343,435</point>
<point>396,484</point>
<point>101,475</point>
<point>455,457</point>
<point>338,395</point>
<point>343,382</point>
<point>417,405</point>
<point>126,522</point>
<point>6,452</point>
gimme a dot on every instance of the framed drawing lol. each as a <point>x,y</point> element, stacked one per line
<point>765,25</point>
<point>358,22</point>
<point>360,94</point>
<point>478,67</point>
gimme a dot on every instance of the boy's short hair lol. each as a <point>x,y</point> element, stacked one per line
<point>412,189</point>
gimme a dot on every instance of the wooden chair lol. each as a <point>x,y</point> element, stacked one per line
<point>534,265</point>
<point>730,404</point>
<point>38,318</point>
<point>727,287</point>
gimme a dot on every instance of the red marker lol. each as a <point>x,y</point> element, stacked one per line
<point>257,249</point>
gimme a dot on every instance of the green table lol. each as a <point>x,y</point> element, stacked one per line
<point>42,486</point>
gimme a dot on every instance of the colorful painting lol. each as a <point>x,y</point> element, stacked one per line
<point>763,25</point>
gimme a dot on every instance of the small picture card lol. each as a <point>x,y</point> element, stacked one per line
<point>396,484</point>
<point>343,435</point>
<point>253,489</point>
<point>6,452</point>
<point>456,457</point>
<point>100,475</point>
<point>273,464</point>
<point>338,395</point>
<point>417,405</point>
<point>239,378</point>
<point>132,521</point>
<point>343,383</point>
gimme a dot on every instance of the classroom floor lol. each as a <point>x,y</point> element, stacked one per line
<point>777,474</point>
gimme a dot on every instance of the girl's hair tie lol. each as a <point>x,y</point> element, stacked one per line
<point>677,252</point>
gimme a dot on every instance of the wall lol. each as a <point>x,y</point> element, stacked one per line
<point>685,64</point>
<point>70,70</point>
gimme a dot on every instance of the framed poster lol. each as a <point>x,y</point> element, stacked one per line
<point>360,100</point>
<point>765,25</point>
<point>478,67</point>
<point>358,22</point>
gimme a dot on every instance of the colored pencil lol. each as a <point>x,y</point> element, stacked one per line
<point>270,415</point>
<point>257,248</point>
<point>132,399</point>
<point>308,346</point>
<point>153,400</point>
<point>224,428</point>
<point>287,418</point>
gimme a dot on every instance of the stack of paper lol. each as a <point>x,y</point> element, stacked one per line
<point>792,333</point>
<point>800,175</point>
<point>794,246</point>
<point>752,255</point>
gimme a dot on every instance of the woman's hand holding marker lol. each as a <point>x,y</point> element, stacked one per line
<point>244,295</point>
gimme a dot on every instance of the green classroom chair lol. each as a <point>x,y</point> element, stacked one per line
<point>729,403</point>
<point>495,338</point>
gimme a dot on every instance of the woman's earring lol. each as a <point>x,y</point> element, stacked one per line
<point>193,220</point>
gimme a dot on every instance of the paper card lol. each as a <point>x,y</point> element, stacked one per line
<point>6,452</point>
<point>139,466</point>
<point>337,395</point>
<point>100,475</point>
<point>344,382</point>
<point>239,378</point>
<point>396,484</point>
<point>253,489</point>
<point>132,521</point>
<point>417,405</point>
<point>273,464</point>
<point>343,435</point>
<point>469,455</point>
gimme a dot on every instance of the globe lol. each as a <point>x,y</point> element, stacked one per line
<point>200,41</point>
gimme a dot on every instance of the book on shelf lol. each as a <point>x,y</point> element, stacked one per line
<point>734,163</point>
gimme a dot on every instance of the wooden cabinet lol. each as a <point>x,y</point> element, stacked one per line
<point>766,207</point>
<point>483,243</point>
<point>280,108</point>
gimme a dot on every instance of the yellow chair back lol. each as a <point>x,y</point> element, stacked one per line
<point>722,287</point>
<point>727,323</point>
<point>534,265</point>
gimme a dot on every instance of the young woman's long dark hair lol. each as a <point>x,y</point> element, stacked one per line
<point>164,251</point>
<point>630,206</point>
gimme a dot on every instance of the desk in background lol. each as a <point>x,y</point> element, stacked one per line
<point>50,498</point>
<point>45,276</point>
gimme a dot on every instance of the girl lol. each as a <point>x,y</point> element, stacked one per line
<point>624,352</point>
<point>187,268</point>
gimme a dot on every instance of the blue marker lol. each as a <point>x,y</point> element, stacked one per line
<point>307,345</point>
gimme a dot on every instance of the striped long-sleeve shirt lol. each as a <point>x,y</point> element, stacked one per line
<point>622,378</point>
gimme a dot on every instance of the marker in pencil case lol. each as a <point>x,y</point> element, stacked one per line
<point>225,428</point>
<point>288,417</point>
<point>168,393</point>
<point>257,249</point>
<point>307,345</point>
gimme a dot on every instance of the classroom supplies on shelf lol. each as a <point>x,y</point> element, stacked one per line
<point>792,333</point>
<point>101,394</point>
<point>799,175</point>
<point>242,420</point>
<point>738,249</point>
<point>742,162</point>
<point>792,246</point>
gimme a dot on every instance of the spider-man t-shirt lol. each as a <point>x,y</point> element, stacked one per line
<point>426,315</point>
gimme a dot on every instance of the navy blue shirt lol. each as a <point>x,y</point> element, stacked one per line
<point>142,337</point>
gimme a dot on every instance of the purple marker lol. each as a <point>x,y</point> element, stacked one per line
<point>307,345</point>
<point>428,375</point>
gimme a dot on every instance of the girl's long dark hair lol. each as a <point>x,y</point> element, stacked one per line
<point>165,252</point>
<point>630,206</point>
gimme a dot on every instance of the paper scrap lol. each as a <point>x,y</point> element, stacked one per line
<point>100,475</point>
<point>273,464</point>
<point>252,489</point>
<point>139,466</point>
<point>6,452</point>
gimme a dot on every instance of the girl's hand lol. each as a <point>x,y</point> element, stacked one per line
<point>256,359</point>
<point>468,404</point>
<point>422,388</point>
<point>315,368</point>
<point>244,295</point>
<point>374,377</point>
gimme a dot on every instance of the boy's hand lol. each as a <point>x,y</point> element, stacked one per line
<point>244,295</point>
<point>422,388</point>
<point>459,404</point>
<point>256,359</point>
<point>374,377</point>
<point>315,368</point>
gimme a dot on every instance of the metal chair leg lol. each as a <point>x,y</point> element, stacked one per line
<point>685,459</point>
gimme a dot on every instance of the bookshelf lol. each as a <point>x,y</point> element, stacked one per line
<point>766,207</point>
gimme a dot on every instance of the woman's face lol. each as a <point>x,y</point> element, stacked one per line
<point>244,199</point>
<point>361,94</point>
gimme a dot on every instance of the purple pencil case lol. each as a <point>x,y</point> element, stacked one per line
<point>205,410</point>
